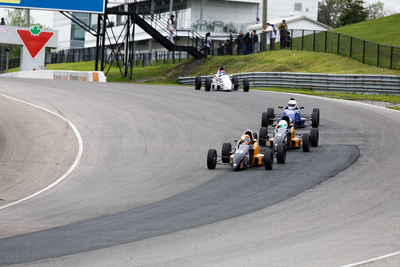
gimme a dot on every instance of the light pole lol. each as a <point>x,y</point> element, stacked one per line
<point>8,49</point>
<point>264,22</point>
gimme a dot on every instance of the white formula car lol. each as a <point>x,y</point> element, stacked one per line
<point>221,82</point>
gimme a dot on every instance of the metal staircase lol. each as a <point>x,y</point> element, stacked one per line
<point>142,15</point>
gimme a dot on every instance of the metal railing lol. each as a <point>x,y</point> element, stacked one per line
<point>160,24</point>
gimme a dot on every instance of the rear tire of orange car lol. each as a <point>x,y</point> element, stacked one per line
<point>281,153</point>
<point>268,159</point>
<point>306,142</point>
<point>226,152</point>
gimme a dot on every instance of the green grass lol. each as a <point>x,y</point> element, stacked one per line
<point>379,34</point>
<point>381,31</point>
<point>287,61</point>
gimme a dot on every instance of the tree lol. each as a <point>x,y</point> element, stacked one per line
<point>110,24</point>
<point>17,17</point>
<point>329,11</point>
<point>353,12</point>
<point>378,10</point>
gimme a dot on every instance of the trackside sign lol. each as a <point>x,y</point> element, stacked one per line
<point>88,6</point>
<point>34,40</point>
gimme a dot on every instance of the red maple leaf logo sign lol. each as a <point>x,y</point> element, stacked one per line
<point>34,40</point>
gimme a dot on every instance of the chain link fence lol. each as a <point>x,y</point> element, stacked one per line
<point>317,41</point>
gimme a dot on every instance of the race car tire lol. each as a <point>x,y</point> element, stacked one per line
<point>197,83</point>
<point>306,142</point>
<point>271,115</point>
<point>263,136</point>
<point>268,159</point>
<point>314,137</point>
<point>208,84</point>
<point>255,136</point>
<point>264,119</point>
<point>316,110</point>
<point>246,85</point>
<point>212,159</point>
<point>314,120</point>
<point>281,153</point>
<point>235,81</point>
<point>226,152</point>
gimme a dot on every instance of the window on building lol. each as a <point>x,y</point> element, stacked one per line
<point>77,33</point>
<point>297,6</point>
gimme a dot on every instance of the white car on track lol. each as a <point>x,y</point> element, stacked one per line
<point>221,82</point>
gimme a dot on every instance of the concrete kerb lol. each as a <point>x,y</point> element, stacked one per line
<point>85,76</point>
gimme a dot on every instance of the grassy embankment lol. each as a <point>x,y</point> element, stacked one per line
<point>380,31</point>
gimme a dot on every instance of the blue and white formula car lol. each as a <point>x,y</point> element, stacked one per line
<point>292,111</point>
<point>221,82</point>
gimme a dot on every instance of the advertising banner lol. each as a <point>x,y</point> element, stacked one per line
<point>87,6</point>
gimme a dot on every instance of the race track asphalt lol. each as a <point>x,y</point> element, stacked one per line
<point>141,194</point>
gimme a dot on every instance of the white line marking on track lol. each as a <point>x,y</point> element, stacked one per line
<point>372,260</point>
<point>80,142</point>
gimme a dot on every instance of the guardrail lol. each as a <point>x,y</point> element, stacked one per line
<point>341,83</point>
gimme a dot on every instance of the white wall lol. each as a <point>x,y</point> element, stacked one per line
<point>306,25</point>
<point>63,25</point>
<point>283,9</point>
<point>226,11</point>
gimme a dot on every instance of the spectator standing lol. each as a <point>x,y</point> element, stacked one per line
<point>220,49</point>
<point>2,22</point>
<point>239,42</point>
<point>288,40</point>
<point>247,43</point>
<point>271,35</point>
<point>258,21</point>
<point>283,32</point>
<point>227,47</point>
<point>171,28</point>
<point>207,43</point>
<point>254,39</point>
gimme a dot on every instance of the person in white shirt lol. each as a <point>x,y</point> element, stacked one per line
<point>171,28</point>
<point>207,43</point>
<point>271,35</point>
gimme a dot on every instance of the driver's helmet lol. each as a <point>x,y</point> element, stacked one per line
<point>221,72</point>
<point>292,104</point>
<point>245,139</point>
<point>282,124</point>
